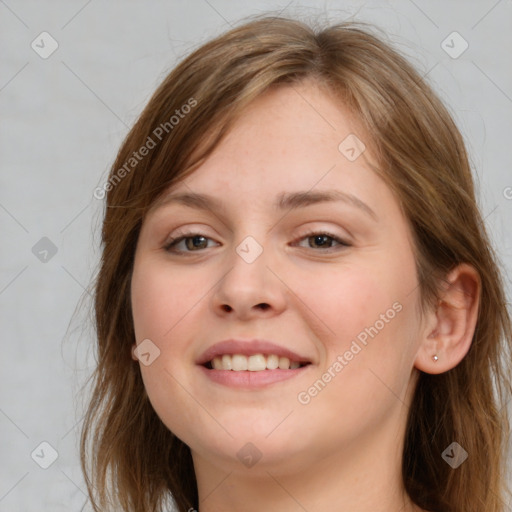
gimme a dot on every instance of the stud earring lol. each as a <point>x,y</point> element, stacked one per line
<point>435,358</point>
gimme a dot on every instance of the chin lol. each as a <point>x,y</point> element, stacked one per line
<point>257,450</point>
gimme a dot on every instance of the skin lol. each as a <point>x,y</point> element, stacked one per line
<point>342,450</point>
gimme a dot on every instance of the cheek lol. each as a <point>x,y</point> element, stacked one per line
<point>370,311</point>
<point>348,300</point>
<point>160,297</point>
<point>366,373</point>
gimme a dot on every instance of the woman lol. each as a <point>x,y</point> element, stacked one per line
<point>298,307</point>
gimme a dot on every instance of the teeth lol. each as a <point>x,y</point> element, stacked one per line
<point>254,363</point>
<point>284,363</point>
<point>239,362</point>
<point>257,362</point>
<point>226,362</point>
<point>272,362</point>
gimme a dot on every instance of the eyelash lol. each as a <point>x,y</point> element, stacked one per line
<point>183,236</point>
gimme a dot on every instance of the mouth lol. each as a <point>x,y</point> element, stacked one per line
<point>253,363</point>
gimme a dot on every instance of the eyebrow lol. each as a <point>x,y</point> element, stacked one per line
<point>285,200</point>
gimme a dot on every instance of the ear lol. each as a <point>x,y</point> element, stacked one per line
<point>451,326</point>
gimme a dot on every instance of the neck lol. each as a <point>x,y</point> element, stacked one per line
<point>349,479</point>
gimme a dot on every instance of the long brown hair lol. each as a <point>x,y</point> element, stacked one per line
<point>130,459</point>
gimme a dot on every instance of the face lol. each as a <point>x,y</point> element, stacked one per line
<point>300,250</point>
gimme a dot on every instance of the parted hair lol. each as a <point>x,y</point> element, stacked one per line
<point>131,461</point>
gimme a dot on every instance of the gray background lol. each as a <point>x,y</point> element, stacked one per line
<point>62,121</point>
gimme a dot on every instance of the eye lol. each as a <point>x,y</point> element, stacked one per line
<point>322,240</point>
<point>193,242</point>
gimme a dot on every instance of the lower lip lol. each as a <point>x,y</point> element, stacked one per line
<point>251,380</point>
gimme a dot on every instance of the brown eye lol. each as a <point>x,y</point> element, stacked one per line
<point>192,242</point>
<point>196,242</point>
<point>323,241</point>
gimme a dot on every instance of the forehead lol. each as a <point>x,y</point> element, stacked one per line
<point>289,137</point>
<point>287,150</point>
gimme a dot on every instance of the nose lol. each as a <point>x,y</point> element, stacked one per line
<point>249,289</point>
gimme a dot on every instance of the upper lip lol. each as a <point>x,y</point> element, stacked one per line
<point>248,348</point>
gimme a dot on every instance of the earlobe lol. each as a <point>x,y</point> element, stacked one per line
<point>447,339</point>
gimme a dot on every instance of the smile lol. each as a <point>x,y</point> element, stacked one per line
<point>253,363</point>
